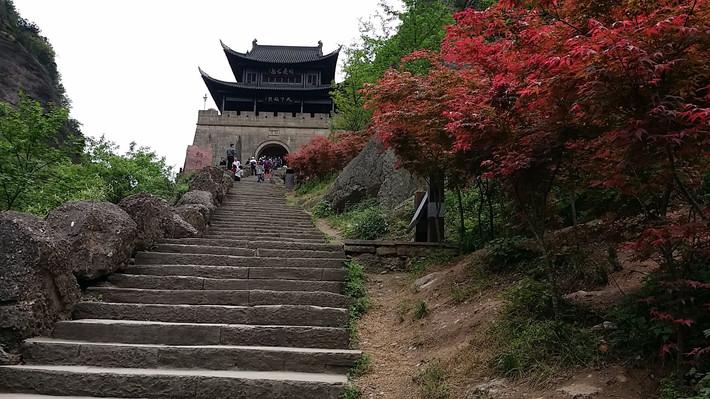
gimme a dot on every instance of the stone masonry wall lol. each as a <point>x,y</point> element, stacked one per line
<point>250,132</point>
<point>380,255</point>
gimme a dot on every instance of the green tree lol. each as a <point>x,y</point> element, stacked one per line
<point>28,148</point>
<point>139,170</point>
<point>387,37</point>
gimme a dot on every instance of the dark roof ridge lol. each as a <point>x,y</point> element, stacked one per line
<point>282,53</point>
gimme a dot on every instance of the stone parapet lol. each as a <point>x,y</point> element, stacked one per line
<point>378,255</point>
<point>263,119</point>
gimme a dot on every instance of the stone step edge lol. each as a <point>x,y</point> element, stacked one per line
<point>249,244</point>
<point>175,323</point>
<point>288,349</point>
<point>248,375</point>
<point>108,287</point>
<point>234,307</point>
<point>256,250</point>
<point>169,254</point>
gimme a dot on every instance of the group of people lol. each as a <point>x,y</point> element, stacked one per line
<point>262,168</point>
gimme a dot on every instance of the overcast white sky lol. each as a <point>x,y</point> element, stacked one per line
<point>130,66</point>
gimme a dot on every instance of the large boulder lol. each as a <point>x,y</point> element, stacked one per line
<point>199,197</point>
<point>152,215</point>
<point>179,228</point>
<point>214,180</point>
<point>37,284</point>
<point>221,176</point>
<point>194,214</point>
<point>101,236</point>
<point>372,174</point>
<point>204,182</point>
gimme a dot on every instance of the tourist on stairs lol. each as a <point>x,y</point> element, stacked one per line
<point>231,154</point>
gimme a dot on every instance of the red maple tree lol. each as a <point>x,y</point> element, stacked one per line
<point>528,91</point>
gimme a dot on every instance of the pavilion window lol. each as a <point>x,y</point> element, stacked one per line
<point>312,79</point>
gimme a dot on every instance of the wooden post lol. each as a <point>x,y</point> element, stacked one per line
<point>435,209</point>
<point>254,106</point>
<point>420,232</point>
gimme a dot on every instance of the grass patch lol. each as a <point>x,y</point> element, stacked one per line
<point>478,279</point>
<point>421,310</point>
<point>362,366</point>
<point>351,392</point>
<point>357,292</point>
<point>533,341</point>
<point>314,186</point>
<point>364,221</point>
<point>419,266</point>
<point>432,382</point>
<point>310,193</point>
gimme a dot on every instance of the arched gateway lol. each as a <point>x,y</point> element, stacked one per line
<point>279,102</point>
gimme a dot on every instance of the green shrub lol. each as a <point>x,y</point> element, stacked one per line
<point>322,210</point>
<point>362,366</point>
<point>507,254</point>
<point>351,392</point>
<point>369,224</point>
<point>421,310</point>
<point>432,382</point>
<point>364,221</point>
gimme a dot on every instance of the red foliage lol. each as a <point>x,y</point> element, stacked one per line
<point>527,90</point>
<point>323,156</point>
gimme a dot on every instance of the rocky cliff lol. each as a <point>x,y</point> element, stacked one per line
<point>26,60</point>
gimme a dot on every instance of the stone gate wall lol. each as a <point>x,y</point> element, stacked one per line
<point>250,132</point>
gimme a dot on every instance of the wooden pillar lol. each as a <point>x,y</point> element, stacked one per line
<point>223,101</point>
<point>421,233</point>
<point>254,105</point>
<point>301,104</point>
<point>435,209</point>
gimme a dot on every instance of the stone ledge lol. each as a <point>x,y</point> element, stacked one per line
<point>391,255</point>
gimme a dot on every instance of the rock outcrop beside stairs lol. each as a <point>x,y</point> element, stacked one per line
<point>101,236</point>
<point>37,284</point>
<point>372,174</point>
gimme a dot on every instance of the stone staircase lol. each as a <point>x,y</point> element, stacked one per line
<point>253,310</point>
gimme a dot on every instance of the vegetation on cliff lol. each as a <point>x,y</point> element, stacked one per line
<point>28,35</point>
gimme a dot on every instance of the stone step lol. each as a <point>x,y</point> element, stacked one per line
<point>200,283</point>
<point>231,219</point>
<point>248,212</point>
<point>285,315</point>
<point>262,206</point>
<point>300,253</point>
<point>169,383</point>
<point>273,224</point>
<point>212,357</point>
<point>277,244</point>
<point>36,396</point>
<point>279,220</point>
<point>217,297</point>
<point>205,249</point>
<point>231,272</point>
<point>311,237</point>
<point>154,332</point>
<point>237,229</point>
<point>166,258</point>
